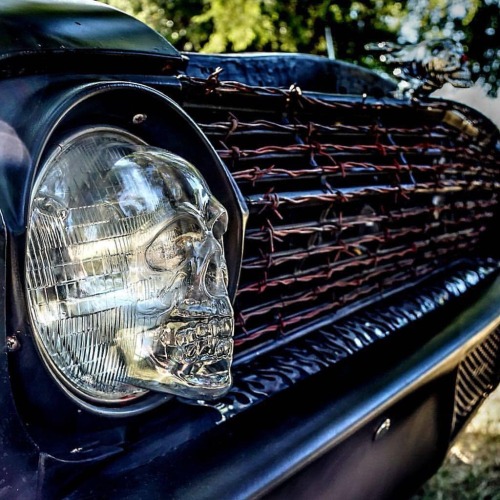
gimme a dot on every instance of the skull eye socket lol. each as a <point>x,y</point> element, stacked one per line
<point>164,252</point>
<point>171,248</point>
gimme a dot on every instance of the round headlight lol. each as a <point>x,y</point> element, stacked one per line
<point>125,272</point>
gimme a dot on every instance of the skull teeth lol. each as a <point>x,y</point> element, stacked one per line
<point>207,341</point>
<point>206,351</point>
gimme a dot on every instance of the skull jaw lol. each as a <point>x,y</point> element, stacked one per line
<point>188,357</point>
<point>194,381</point>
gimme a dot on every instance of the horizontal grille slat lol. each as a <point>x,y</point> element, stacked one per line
<point>356,193</point>
<point>349,248</point>
<point>347,197</point>
<point>255,174</point>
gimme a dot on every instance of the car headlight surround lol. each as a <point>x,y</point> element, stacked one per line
<point>61,298</point>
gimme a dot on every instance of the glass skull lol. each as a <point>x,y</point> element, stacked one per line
<point>126,274</point>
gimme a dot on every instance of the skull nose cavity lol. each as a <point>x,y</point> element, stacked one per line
<point>202,292</point>
<point>209,276</point>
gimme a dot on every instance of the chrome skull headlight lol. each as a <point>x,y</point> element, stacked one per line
<point>126,276</point>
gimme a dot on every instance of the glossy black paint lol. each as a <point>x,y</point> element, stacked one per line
<point>18,464</point>
<point>312,73</point>
<point>38,36</point>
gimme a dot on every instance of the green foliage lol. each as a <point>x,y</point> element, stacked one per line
<point>269,25</point>
<point>300,26</point>
<point>242,25</point>
<point>172,18</point>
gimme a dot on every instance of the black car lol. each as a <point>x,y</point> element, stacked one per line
<point>232,276</point>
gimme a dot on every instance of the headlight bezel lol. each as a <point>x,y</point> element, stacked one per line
<point>157,120</point>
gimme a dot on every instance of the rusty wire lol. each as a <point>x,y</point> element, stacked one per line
<point>279,233</point>
<point>257,173</point>
<point>274,259</point>
<point>273,201</point>
<point>234,126</point>
<point>431,190</point>
<point>286,322</point>
<point>213,85</point>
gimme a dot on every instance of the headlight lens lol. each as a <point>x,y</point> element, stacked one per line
<point>126,277</point>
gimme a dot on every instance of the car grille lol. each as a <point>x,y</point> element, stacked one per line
<point>349,198</point>
<point>478,375</point>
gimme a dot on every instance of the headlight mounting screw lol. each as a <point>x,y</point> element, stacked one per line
<point>139,118</point>
<point>12,343</point>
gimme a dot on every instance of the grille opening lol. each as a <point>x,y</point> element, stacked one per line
<point>478,375</point>
<point>347,199</point>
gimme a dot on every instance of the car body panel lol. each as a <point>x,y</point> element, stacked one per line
<point>356,402</point>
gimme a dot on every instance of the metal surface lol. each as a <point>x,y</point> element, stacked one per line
<point>348,199</point>
<point>18,453</point>
<point>478,376</point>
<point>41,36</point>
<point>352,199</point>
<point>426,66</point>
<point>382,429</point>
